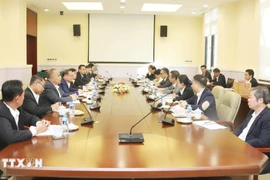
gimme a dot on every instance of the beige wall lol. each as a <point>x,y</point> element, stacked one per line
<point>184,41</point>
<point>56,40</point>
<point>238,35</point>
<point>1,30</point>
<point>13,42</point>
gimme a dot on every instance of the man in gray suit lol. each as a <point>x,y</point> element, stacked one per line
<point>52,92</point>
<point>173,79</point>
<point>164,72</point>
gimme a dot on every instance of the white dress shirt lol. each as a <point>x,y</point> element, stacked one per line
<point>68,83</point>
<point>245,131</point>
<point>16,114</point>
<point>199,94</point>
<point>36,96</point>
<point>182,90</point>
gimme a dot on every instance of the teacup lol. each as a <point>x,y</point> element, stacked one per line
<point>198,113</point>
<point>62,110</point>
<point>58,131</point>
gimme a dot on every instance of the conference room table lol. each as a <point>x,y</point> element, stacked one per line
<point>94,151</point>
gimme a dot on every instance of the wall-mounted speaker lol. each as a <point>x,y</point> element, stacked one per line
<point>163,31</point>
<point>76,29</point>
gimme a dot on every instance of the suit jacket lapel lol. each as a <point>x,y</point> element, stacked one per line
<point>27,89</point>
<point>255,121</point>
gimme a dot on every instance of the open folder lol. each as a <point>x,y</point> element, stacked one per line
<point>211,125</point>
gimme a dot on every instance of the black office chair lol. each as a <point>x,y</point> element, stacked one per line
<point>230,82</point>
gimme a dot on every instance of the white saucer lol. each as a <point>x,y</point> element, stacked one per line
<point>78,112</point>
<point>184,120</point>
<point>72,127</point>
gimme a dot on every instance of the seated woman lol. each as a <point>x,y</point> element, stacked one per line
<point>158,78</point>
<point>186,91</point>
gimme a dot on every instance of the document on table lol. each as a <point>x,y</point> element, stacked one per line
<point>211,125</point>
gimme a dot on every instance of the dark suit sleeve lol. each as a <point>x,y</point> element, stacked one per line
<point>31,106</point>
<point>27,119</point>
<point>221,80</point>
<point>167,83</point>
<point>192,100</point>
<point>9,135</point>
<point>51,95</point>
<point>64,87</point>
<point>79,81</point>
<point>208,97</point>
<point>188,93</point>
<point>208,76</point>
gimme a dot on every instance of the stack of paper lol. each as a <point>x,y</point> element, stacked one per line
<point>211,125</point>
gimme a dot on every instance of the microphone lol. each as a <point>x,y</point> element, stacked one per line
<point>168,121</point>
<point>157,106</point>
<point>110,76</point>
<point>132,138</point>
<point>89,120</point>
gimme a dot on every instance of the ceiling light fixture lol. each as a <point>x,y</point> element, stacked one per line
<point>122,1</point>
<point>206,6</point>
<point>83,5</point>
<point>193,12</point>
<point>161,7</point>
<point>46,10</point>
<point>122,6</point>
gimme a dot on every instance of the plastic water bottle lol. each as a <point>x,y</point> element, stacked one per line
<point>94,95</point>
<point>71,110</point>
<point>65,124</point>
<point>189,112</point>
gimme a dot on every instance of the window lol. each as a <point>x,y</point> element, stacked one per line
<point>210,33</point>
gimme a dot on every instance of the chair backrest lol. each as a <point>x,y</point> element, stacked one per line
<point>228,106</point>
<point>218,91</point>
<point>230,82</point>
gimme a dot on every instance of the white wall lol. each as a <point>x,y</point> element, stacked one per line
<point>56,40</point>
<point>184,41</point>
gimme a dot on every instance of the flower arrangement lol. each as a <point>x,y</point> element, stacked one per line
<point>120,88</point>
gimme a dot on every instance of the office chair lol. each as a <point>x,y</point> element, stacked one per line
<point>218,91</point>
<point>230,82</point>
<point>228,107</point>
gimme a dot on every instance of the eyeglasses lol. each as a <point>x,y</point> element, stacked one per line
<point>40,84</point>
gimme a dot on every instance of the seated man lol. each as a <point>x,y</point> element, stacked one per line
<point>13,118</point>
<point>67,82</point>
<point>157,79</point>
<point>53,93</point>
<point>186,91</point>
<point>164,72</point>
<point>89,72</point>
<point>204,99</point>
<point>255,130</point>
<point>206,73</point>
<point>173,79</point>
<point>31,98</point>
<point>219,79</point>
<point>151,73</point>
<point>80,78</point>
<point>249,77</point>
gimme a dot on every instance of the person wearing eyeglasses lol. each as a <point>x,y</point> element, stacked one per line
<point>31,98</point>
<point>67,83</point>
<point>164,73</point>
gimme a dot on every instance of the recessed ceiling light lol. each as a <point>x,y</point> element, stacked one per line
<point>206,6</point>
<point>122,1</point>
<point>122,6</point>
<point>83,5</point>
<point>193,12</point>
<point>161,7</point>
<point>46,10</point>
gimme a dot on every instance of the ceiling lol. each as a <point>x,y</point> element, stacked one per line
<point>131,6</point>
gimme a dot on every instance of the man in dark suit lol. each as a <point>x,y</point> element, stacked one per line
<point>204,99</point>
<point>206,73</point>
<point>164,72</point>
<point>173,79</point>
<point>186,91</point>
<point>151,73</point>
<point>53,93</point>
<point>89,72</point>
<point>219,79</point>
<point>13,118</point>
<point>80,78</point>
<point>255,130</point>
<point>67,83</point>
<point>249,77</point>
<point>31,98</point>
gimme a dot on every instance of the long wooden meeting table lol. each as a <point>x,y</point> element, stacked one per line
<point>93,151</point>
